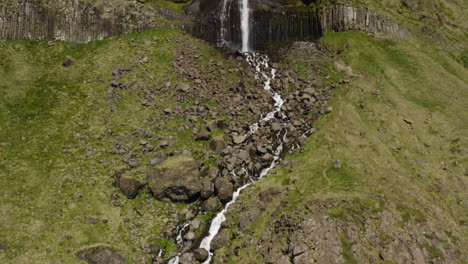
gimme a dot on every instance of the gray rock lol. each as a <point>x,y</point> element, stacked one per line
<point>158,159</point>
<point>329,110</point>
<point>217,145</point>
<point>100,254</point>
<point>190,236</point>
<point>184,87</point>
<point>239,139</point>
<point>276,127</point>
<point>187,258</point>
<point>200,254</point>
<point>224,189</point>
<point>202,134</point>
<point>195,224</point>
<point>164,144</point>
<point>133,163</point>
<point>337,164</point>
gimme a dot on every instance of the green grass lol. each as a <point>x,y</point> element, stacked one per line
<point>382,154</point>
<point>53,115</point>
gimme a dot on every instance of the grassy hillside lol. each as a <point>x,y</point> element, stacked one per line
<point>398,135</point>
<point>66,128</point>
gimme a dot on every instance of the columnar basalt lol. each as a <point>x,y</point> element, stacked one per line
<point>272,26</point>
<point>78,21</point>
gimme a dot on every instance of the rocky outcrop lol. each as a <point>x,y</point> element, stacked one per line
<point>176,180</point>
<point>100,254</point>
<point>79,21</point>
<point>342,18</point>
<point>274,24</point>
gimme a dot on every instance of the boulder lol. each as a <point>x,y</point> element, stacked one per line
<point>68,61</point>
<point>130,187</point>
<point>211,205</point>
<point>183,87</point>
<point>220,240</point>
<point>176,179</point>
<point>202,134</point>
<point>207,189</point>
<point>187,258</point>
<point>100,254</point>
<point>217,145</point>
<point>158,159</point>
<point>200,254</point>
<point>190,236</point>
<point>239,139</point>
<point>224,189</point>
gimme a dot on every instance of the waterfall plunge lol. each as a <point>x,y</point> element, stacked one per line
<point>245,25</point>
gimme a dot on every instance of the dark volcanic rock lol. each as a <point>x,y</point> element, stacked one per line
<point>130,187</point>
<point>202,134</point>
<point>211,205</point>
<point>200,254</point>
<point>220,240</point>
<point>224,189</point>
<point>208,188</point>
<point>176,179</point>
<point>100,254</point>
<point>68,61</point>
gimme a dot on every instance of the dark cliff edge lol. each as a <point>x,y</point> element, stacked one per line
<point>79,21</point>
<point>273,28</point>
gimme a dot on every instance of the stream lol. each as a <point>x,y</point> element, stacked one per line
<point>264,71</point>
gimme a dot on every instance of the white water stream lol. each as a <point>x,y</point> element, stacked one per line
<point>245,25</point>
<point>223,29</point>
<point>262,69</point>
<point>260,63</point>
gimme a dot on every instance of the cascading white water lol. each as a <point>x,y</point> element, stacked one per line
<point>245,25</point>
<point>259,63</point>
<point>223,29</point>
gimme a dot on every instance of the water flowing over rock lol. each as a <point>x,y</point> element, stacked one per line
<point>272,24</point>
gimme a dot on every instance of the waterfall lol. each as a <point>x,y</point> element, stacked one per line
<point>223,18</point>
<point>245,25</point>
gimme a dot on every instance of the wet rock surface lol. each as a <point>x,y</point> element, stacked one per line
<point>277,22</point>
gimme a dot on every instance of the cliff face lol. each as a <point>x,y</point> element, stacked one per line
<point>274,25</point>
<point>78,21</point>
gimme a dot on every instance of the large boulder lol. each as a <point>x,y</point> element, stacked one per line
<point>100,254</point>
<point>129,187</point>
<point>224,189</point>
<point>176,179</point>
<point>200,254</point>
<point>211,205</point>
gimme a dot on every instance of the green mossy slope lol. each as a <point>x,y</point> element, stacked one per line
<point>399,129</point>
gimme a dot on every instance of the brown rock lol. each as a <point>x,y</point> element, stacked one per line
<point>176,179</point>
<point>200,254</point>
<point>207,189</point>
<point>211,205</point>
<point>220,240</point>
<point>217,145</point>
<point>130,187</point>
<point>100,254</point>
<point>224,189</point>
